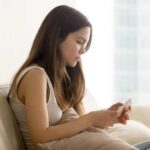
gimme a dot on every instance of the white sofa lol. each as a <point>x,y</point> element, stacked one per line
<point>10,137</point>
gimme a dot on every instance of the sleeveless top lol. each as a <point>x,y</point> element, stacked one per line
<point>54,111</point>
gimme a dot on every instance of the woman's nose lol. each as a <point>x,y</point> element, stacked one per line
<point>82,51</point>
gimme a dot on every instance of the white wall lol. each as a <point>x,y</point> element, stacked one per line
<point>98,61</point>
<point>20,20</point>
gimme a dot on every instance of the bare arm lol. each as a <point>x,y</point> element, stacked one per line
<point>33,88</point>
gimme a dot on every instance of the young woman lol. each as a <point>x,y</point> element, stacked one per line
<point>47,91</point>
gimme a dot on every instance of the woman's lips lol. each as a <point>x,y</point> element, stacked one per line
<point>77,58</point>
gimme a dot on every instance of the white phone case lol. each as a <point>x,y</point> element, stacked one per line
<point>126,104</point>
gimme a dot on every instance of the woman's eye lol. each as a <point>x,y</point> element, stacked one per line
<point>79,42</point>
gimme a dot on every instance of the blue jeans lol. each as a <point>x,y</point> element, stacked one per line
<point>143,146</point>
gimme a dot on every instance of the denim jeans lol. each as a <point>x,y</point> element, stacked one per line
<point>143,146</point>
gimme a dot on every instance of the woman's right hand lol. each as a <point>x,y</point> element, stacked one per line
<point>103,118</point>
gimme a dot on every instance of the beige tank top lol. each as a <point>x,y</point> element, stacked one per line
<point>54,112</point>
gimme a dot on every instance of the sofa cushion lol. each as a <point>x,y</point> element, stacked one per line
<point>10,138</point>
<point>134,132</point>
<point>141,113</point>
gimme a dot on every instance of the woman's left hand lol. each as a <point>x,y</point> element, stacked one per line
<point>125,114</point>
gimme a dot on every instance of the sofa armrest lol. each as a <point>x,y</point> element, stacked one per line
<point>10,136</point>
<point>141,113</point>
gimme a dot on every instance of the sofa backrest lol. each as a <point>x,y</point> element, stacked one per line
<point>10,138</point>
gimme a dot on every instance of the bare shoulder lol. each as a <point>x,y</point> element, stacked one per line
<point>34,74</point>
<point>33,81</point>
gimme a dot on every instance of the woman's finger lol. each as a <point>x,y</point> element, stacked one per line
<point>115,106</point>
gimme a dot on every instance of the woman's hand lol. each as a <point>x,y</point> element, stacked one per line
<point>115,106</point>
<point>103,118</point>
<point>125,114</point>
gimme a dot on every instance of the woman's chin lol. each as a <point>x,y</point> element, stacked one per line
<point>72,65</point>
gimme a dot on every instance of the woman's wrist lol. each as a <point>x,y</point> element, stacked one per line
<point>89,118</point>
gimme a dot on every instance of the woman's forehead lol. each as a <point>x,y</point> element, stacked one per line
<point>83,33</point>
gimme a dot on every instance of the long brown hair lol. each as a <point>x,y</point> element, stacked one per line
<point>68,83</point>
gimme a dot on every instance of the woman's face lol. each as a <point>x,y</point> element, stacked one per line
<point>74,45</point>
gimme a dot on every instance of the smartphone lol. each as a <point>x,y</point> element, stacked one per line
<point>125,105</point>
